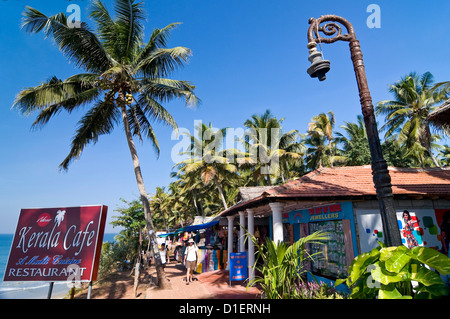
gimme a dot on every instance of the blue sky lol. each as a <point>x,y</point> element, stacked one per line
<point>248,56</point>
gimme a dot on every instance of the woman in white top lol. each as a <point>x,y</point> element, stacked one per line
<point>190,260</point>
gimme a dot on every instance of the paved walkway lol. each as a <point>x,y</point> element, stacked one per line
<point>210,285</point>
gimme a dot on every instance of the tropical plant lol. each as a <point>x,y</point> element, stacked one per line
<point>355,146</point>
<point>131,218</point>
<point>160,203</point>
<point>388,273</point>
<point>115,256</point>
<point>270,151</point>
<point>444,155</point>
<point>322,125</point>
<point>406,116</point>
<point>282,266</point>
<point>207,160</point>
<point>123,80</point>
<point>321,143</point>
<point>186,197</point>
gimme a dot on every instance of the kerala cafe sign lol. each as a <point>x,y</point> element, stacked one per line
<point>57,244</point>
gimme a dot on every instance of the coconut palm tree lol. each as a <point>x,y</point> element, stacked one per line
<point>322,125</point>
<point>316,150</point>
<point>123,80</point>
<point>272,148</point>
<point>406,116</point>
<point>445,155</point>
<point>207,160</point>
<point>355,146</point>
<point>160,205</point>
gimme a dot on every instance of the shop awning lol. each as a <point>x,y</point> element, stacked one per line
<point>197,227</point>
<point>166,234</point>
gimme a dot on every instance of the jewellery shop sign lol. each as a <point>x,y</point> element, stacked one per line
<point>57,244</point>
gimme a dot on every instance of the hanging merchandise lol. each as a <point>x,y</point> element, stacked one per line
<point>330,260</point>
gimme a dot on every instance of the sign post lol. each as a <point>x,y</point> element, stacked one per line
<point>57,244</point>
<point>238,266</point>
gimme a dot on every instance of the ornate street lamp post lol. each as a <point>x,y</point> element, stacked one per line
<point>381,178</point>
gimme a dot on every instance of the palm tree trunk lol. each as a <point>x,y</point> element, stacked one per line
<point>427,142</point>
<point>162,280</point>
<point>331,152</point>
<point>194,198</point>
<point>166,226</point>
<point>433,158</point>
<point>219,188</point>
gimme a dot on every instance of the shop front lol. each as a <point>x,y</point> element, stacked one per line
<point>332,258</point>
<point>209,238</point>
<point>343,202</point>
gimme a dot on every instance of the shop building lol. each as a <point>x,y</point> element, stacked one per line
<point>342,201</point>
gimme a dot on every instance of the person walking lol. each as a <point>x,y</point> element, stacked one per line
<point>191,259</point>
<point>163,254</point>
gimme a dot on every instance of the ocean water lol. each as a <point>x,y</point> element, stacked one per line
<point>29,290</point>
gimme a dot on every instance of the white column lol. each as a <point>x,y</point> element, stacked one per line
<point>230,239</point>
<point>242,231</point>
<point>251,245</point>
<point>277,221</point>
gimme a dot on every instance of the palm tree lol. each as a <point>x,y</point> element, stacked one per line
<point>272,147</point>
<point>207,161</point>
<point>178,203</point>
<point>415,97</point>
<point>316,155</point>
<point>160,205</point>
<point>444,154</point>
<point>322,126</point>
<point>123,80</point>
<point>192,189</point>
<point>355,146</point>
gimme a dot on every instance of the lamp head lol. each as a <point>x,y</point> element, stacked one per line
<point>319,67</point>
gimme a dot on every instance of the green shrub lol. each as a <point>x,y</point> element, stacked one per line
<point>283,265</point>
<point>114,256</point>
<point>388,273</point>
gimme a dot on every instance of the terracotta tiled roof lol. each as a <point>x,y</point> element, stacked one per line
<point>357,180</point>
<point>353,182</point>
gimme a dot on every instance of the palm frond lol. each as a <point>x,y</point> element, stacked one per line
<point>79,44</point>
<point>99,120</point>
<point>54,95</point>
<point>154,110</point>
<point>158,39</point>
<point>140,125</point>
<point>129,27</point>
<point>106,27</point>
<point>161,62</point>
<point>165,90</point>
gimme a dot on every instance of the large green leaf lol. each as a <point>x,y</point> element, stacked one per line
<point>395,258</point>
<point>381,275</point>
<point>361,262</point>
<point>432,291</point>
<point>390,292</point>
<point>423,275</point>
<point>432,258</point>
